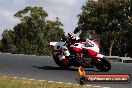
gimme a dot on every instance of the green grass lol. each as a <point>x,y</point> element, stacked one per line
<point>9,82</point>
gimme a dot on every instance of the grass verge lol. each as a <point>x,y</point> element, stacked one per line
<point>9,82</point>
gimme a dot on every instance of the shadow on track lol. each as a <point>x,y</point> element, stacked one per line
<point>54,68</point>
<point>58,68</point>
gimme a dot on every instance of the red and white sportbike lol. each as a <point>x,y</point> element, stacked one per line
<point>83,54</point>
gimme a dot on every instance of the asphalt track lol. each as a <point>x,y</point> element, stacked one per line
<point>44,68</point>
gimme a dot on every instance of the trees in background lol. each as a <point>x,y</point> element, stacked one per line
<point>7,42</point>
<point>33,34</point>
<point>111,20</point>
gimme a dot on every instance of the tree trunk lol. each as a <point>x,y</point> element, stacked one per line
<point>111,47</point>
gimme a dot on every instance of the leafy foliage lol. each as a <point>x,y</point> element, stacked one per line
<point>33,34</point>
<point>111,21</point>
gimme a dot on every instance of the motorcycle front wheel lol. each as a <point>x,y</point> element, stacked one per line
<point>103,65</point>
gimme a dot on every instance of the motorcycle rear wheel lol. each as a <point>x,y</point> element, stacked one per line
<point>59,63</point>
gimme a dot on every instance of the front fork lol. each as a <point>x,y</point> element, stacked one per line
<point>98,57</point>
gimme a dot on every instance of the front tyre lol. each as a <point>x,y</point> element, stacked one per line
<point>59,63</point>
<point>103,65</point>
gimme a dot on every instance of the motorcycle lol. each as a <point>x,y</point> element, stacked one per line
<point>83,54</point>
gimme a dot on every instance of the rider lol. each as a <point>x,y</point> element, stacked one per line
<point>70,39</point>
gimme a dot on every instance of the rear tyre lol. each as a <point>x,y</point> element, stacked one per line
<point>103,65</point>
<point>59,63</point>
